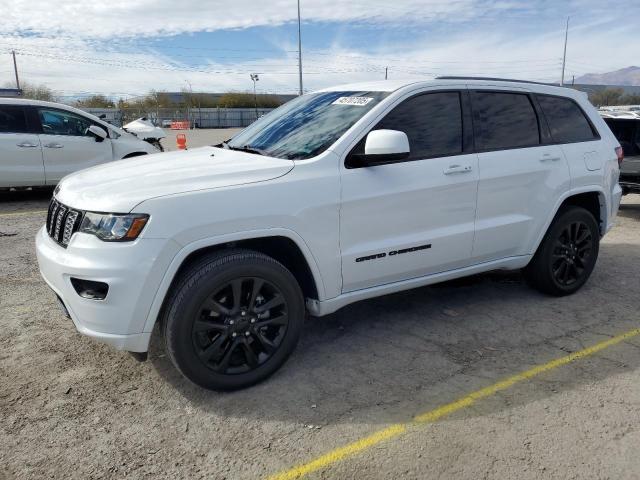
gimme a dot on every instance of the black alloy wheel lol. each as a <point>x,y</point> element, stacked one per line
<point>232,319</point>
<point>240,326</point>
<point>567,254</point>
<point>572,252</point>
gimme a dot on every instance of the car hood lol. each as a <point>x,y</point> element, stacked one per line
<point>119,186</point>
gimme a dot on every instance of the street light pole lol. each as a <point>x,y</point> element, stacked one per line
<point>255,78</point>
<point>15,69</point>
<point>299,52</point>
<point>564,55</point>
<point>189,103</point>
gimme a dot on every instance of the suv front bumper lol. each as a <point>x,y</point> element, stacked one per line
<point>133,272</point>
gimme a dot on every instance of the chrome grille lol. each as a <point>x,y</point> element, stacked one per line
<point>62,222</point>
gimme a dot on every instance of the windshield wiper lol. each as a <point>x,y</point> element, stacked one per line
<point>246,148</point>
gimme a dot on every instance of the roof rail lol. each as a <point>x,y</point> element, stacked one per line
<point>495,79</point>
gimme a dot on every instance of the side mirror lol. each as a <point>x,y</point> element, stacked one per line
<point>97,132</point>
<point>382,147</point>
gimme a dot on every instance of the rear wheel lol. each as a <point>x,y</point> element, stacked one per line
<point>567,255</point>
<point>234,319</point>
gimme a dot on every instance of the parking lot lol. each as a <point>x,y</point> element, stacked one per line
<point>198,138</point>
<point>73,408</point>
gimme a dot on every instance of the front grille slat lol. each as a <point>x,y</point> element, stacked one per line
<point>62,222</point>
<point>59,219</point>
<point>69,223</point>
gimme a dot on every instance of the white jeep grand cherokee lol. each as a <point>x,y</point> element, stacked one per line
<point>340,195</point>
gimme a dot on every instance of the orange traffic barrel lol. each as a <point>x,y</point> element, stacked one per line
<point>181,141</point>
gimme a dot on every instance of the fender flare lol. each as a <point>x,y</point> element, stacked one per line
<point>189,248</point>
<point>574,191</point>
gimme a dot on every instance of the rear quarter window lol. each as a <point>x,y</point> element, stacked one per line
<point>567,122</point>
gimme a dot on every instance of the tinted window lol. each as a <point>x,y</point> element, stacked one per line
<point>433,123</point>
<point>12,119</point>
<point>60,122</point>
<point>566,120</point>
<point>504,120</point>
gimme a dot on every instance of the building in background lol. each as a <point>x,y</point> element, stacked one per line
<point>10,92</point>
<point>214,98</point>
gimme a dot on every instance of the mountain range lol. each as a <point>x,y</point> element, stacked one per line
<point>624,76</point>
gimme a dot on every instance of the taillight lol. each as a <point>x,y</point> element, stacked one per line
<point>620,154</point>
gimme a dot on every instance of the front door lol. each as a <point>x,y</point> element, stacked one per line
<point>413,217</point>
<point>66,145</point>
<point>20,152</point>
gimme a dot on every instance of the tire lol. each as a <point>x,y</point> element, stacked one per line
<point>208,337</point>
<point>567,255</point>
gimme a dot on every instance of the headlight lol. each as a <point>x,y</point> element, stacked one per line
<point>114,227</point>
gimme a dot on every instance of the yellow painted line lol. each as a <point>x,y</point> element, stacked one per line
<point>431,416</point>
<point>17,214</point>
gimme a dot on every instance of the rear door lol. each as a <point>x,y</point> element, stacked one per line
<point>521,174</point>
<point>20,152</point>
<point>67,146</point>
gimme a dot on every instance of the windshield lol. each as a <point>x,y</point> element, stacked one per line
<point>307,125</point>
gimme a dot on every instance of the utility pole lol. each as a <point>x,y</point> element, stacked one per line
<point>255,78</point>
<point>564,56</point>
<point>15,69</point>
<point>190,99</point>
<point>299,52</point>
<point>386,70</point>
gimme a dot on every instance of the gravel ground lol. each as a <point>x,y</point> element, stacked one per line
<point>73,408</point>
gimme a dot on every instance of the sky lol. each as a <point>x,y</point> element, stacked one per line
<point>126,48</point>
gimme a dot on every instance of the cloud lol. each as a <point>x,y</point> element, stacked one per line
<point>124,18</point>
<point>83,49</point>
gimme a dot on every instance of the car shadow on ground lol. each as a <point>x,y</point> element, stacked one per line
<point>14,201</point>
<point>389,358</point>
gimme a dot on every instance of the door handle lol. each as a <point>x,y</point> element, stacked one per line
<point>54,145</point>
<point>547,157</point>
<point>456,169</point>
<point>27,145</point>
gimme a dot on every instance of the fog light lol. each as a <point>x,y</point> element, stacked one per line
<point>90,289</point>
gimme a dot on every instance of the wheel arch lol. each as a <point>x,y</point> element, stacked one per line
<point>590,198</point>
<point>134,154</point>
<point>283,245</point>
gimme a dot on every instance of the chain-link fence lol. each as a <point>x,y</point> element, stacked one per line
<point>198,117</point>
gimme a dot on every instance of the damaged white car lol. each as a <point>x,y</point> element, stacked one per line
<point>144,129</point>
<point>41,142</point>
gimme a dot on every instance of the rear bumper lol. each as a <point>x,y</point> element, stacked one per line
<point>133,272</point>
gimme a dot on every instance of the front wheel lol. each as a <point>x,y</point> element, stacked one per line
<point>567,255</point>
<point>233,320</point>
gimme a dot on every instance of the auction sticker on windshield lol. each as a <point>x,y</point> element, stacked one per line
<point>359,101</point>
